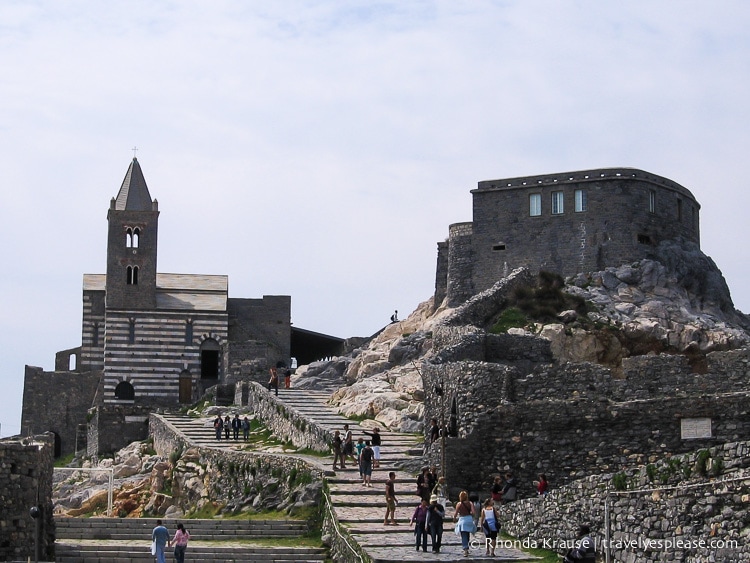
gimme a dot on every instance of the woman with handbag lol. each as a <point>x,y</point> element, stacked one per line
<point>490,523</point>
<point>464,517</point>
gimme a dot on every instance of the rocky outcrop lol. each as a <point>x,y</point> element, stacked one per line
<point>675,302</point>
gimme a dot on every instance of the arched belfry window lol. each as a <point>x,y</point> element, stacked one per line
<point>132,237</point>
<point>131,273</point>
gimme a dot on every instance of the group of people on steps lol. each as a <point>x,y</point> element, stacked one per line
<point>228,425</point>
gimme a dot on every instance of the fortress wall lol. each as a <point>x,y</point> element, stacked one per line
<point>459,285</point>
<point>26,475</point>
<point>441,273</point>
<point>569,440</point>
<point>57,402</point>
<point>113,427</point>
<point>572,420</point>
<point>260,334</point>
<point>702,507</point>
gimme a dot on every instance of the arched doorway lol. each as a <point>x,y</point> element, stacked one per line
<point>210,359</point>
<point>124,391</point>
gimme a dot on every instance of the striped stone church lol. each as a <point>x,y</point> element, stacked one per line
<point>154,340</point>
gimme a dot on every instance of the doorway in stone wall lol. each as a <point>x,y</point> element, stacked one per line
<point>186,387</point>
<point>210,359</point>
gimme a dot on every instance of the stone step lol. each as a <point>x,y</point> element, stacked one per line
<point>137,528</point>
<point>209,553</point>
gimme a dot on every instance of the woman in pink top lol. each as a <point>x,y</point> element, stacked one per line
<point>180,540</point>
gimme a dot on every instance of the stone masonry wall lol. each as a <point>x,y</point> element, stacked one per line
<point>575,419</point>
<point>26,477</point>
<point>700,498</point>
<point>228,475</point>
<point>111,428</point>
<point>57,402</point>
<point>285,422</point>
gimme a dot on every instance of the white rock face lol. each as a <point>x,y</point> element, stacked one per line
<point>685,307</point>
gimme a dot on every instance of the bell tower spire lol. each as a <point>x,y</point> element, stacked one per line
<point>131,244</point>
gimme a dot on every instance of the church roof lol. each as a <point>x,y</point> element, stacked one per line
<point>188,292</point>
<point>133,194</point>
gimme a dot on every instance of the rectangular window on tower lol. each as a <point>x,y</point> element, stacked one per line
<point>535,205</point>
<point>582,201</point>
<point>557,203</point>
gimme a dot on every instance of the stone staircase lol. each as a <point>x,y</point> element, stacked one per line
<point>96,540</point>
<point>358,509</point>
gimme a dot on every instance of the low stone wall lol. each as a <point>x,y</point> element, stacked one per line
<point>238,474</point>
<point>287,424</point>
<point>113,427</point>
<point>691,508</point>
<point>26,477</point>
<point>228,477</point>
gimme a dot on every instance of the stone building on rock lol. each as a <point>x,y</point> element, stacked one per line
<point>154,340</point>
<point>564,223</point>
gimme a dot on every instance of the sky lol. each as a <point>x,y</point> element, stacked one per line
<point>320,149</point>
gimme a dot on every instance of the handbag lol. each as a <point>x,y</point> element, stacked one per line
<point>153,547</point>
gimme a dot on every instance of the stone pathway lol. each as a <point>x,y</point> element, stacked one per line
<point>358,508</point>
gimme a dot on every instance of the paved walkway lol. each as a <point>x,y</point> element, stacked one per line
<point>361,509</point>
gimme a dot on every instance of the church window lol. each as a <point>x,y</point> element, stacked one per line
<point>498,246</point>
<point>131,331</point>
<point>652,201</point>
<point>132,237</point>
<point>581,200</point>
<point>132,275</point>
<point>124,391</point>
<point>189,331</point>
<point>535,205</point>
<point>679,210</point>
<point>557,203</point>
<point>95,335</point>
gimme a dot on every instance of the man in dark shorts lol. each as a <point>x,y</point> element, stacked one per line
<point>390,500</point>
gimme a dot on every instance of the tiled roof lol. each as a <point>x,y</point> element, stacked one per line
<point>133,194</point>
<point>193,292</point>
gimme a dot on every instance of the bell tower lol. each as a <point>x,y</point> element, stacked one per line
<point>131,244</point>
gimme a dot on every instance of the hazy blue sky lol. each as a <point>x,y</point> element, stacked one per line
<point>321,149</point>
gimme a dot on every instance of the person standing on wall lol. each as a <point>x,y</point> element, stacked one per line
<point>180,541</point>
<point>159,538</point>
